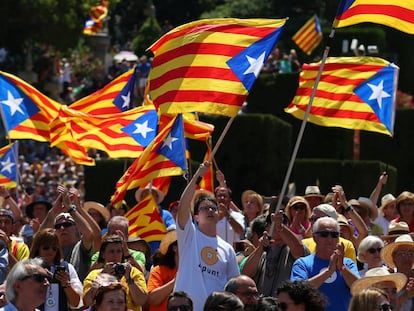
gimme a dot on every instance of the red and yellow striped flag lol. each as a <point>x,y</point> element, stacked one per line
<point>210,65</point>
<point>398,14</point>
<point>308,37</point>
<point>354,92</point>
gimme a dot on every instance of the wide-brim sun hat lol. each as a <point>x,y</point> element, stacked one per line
<point>160,195</point>
<point>30,206</point>
<point>396,229</point>
<point>101,209</point>
<point>313,191</point>
<point>389,249</point>
<point>377,275</point>
<point>169,238</point>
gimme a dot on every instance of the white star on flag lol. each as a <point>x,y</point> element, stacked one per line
<point>169,141</point>
<point>7,165</point>
<point>13,103</point>
<point>126,99</point>
<point>142,129</point>
<point>255,64</point>
<point>378,92</point>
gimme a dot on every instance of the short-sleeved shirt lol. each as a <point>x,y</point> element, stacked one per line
<point>159,276</point>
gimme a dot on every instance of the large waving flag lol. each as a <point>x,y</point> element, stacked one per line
<point>116,96</point>
<point>353,93</point>
<point>165,156</point>
<point>26,112</point>
<point>308,37</point>
<point>210,65</point>
<point>145,220</point>
<point>398,14</point>
<point>8,165</point>
<point>207,182</point>
<point>121,135</point>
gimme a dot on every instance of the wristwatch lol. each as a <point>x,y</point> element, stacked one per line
<point>72,209</point>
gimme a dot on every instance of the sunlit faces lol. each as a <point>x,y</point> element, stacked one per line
<point>403,257</point>
<point>223,196</point>
<point>113,300</point>
<point>406,208</point>
<point>48,253</point>
<point>6,224</point>
<point>113,252</point>
<point>390,289</point>
<point>33,287</point>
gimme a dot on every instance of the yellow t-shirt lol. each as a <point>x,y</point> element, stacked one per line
<point>20,250</point>
<point>349,249</point>
<point>135,274</point>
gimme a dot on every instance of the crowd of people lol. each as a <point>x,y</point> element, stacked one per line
<point>315,252</point>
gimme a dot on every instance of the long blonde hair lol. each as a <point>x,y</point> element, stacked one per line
<point>367,299</point>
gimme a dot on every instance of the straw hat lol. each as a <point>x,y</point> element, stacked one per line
<point>389,249</point>
<point>139,197</point>
<point>376,275</point>
<point>387,199</point>
<point>313,191</point>
<point>169,238</point>
<point>97,207</point>
<point>396,229</point>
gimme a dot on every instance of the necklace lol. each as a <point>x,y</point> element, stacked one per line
<point>50,301</point>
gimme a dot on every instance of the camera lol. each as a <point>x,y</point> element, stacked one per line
<point>119,269</point>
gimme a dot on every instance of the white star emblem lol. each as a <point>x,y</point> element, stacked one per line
<point>169,141</point>
<point>142,129</point>
<point>378,92</point>
<point>126,99</point>
<point>13,103</point>
<point>255,64</point>
<point>7,165</point>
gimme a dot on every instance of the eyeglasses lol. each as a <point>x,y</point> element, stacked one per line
<point>38,277</point>
<point>298,207</point>
<point>214,208</point>
<point>385,307</point>
<point>325,234</point>
<point>284,305</point>
<point>47,247</point>
<point>179,308</point>
<point>373,250</point>
<point>64,225</point>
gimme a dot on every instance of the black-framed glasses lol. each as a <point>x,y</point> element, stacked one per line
<point>385,307</point>
<point>179,308</point>
<point>373,250</point>
<point>326,234</point>
<point>64,225</point>
<point>38,278</point>
<point>207,208</point>
<point>47,247</point>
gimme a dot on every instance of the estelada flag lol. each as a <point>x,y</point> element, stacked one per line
<point>354,92</point>
<point>308,37</point>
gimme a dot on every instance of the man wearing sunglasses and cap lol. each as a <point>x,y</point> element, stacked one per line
<point>327,269</point>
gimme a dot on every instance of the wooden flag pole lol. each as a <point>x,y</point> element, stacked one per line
<point>302,130</point>
<point>220,140</point>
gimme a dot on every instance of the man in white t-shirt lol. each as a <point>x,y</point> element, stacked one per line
<point>206,261</point>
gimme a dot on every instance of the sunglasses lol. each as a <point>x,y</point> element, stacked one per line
<point>214,208</point>
<point>325,234</point>
<point>47,247</point>
<point>38,278</point>
<point>373,250</point>
<point>179,308</point>
<point>385,307</point>
<point>64,225</point>
<point>299,207</point>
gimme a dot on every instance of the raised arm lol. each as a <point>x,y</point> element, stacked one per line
<point>382,180</point>
<point>184,207</point>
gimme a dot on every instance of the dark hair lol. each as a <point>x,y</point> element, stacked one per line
<point>169,258</point>
<point>112,239</point>
<point>102,290</point>
<point>267,303</point>
<point>222,187</point>
<point>202,198</point>
<point>180,294</point>
<point>303,292</point>
<point>46,237</point>
<point>223,301</point>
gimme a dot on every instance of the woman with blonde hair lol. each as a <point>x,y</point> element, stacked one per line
<point>370,299</point>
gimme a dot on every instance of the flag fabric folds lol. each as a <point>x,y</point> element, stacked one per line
<point>8,165</point>
<point>308,37</point>
<point>398,14</point>
<point>164,156</point>
<point>353,93</point>
<point>26,112</point>
<point>145,220</point>
<point>210,65</point>
<point>207,182</point>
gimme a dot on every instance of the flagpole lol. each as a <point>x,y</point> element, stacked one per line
<point>220,140</point>
<point>302,128</point>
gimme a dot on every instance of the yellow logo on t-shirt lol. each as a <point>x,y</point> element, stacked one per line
<point>209,255</point>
